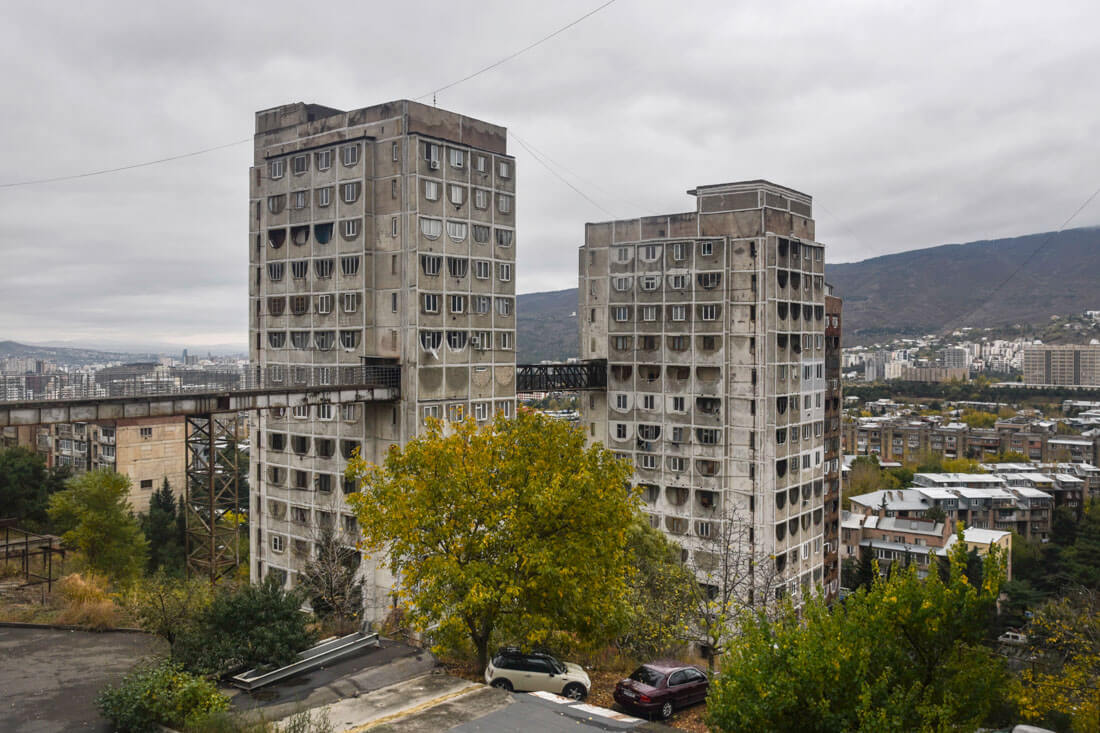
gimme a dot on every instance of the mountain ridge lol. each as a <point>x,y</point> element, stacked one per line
<point>989,282</point>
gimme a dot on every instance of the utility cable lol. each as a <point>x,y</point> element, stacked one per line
<point>557,175</point>
<point>1042,245</point>
<point>508,58</point>
<point>38,181</point>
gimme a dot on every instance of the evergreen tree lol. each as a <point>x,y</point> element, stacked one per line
<point>161,529</point>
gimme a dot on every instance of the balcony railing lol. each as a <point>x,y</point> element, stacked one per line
<point>71,387</point>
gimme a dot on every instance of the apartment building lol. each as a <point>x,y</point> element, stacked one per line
<point>894,539</point>
<point>988,503</point>
<point>1066,365</point>
<point>713,326</point>
<point>146,450</point>
<point>834,399</point>
<point>381,234</point>
<point>906,439</point>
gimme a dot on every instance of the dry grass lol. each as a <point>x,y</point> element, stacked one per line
<point>604,673</point>
<point>76,600</point>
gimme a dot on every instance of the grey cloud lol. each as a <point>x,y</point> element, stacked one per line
<point>911,125</point>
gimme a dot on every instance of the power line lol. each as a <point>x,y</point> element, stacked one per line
<point>508,58</point>
<point>561,178</point>
<point>1042,245</point>
<point>582,179</point>
<point>38,181</point>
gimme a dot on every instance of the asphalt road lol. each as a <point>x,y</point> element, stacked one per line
<point>49,678</point>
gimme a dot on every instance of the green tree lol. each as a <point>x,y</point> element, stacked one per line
<point>978,419</point>
<point>660,594</point>
<point>94,516</point>
<point>1060,688</point>
<point>26,485</point>
<point>517,530</point>
<point>1081,560</point>
<point>160,526</point>
<point>249,625</point>
<point>1008,456</point>
<point>166,605</point>
<point>904,655</point>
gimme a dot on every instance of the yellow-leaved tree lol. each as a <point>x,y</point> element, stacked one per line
<point>512,532</point>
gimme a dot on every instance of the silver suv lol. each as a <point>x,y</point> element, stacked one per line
<point>511,669</point>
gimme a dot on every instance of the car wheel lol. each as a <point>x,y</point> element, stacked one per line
<point>574,691</point>
<point>501,684</point>
<point>666,711</point>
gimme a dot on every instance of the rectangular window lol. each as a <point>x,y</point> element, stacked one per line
<point>622,254</point>
<point>278,543</point>
<point>351,229</point>
<point>351,155</point>
<point>620,402</point>
<point>706,249</point>
<point>482,304</point>
<point>678,312</point>
<point>504,204</point>
<point>324,304</point>
<point>276,169</point>
<point>505,169</point>
<point>299,164</point>
<point>351,302</point>
<point>649,312</point>
<point>481,199</point>
<point>482,269</point>
<point>678,404</point>
<point>456,194</point>
<point>350,192</point>
<point>481,162</point>
<point>481,340</point>
<point>504,272</point>
<point>708,312</point>
<point>324,196</point>
<point>679,251</point>
<point>458,158</point>
<point>621,313</point>
<point>298,200</point>
<point>481,411</point>
<point>324,160</point>
<point>506,340</point>
<point>504,306</point>
<point>349,265</point>
<point>395,151</point>
<point>431,303</point>
<point>431,190</point>
<point>431,411</point>
<point>458,303</point>
<point>648,401</point>
<point>323,268</point>
<point>431,154</point>
<point>146,433</point>
<point>393,226</point>
<point>456,413</point>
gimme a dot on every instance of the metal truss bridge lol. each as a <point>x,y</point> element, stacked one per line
<point>582,376</point>
<point>211,404</point>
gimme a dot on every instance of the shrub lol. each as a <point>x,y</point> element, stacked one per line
<point>246,626</point>
<point>164,694</point>
<point>168,606</point>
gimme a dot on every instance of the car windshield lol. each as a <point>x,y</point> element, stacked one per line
<point>558,666</point>
<point>647,676</point>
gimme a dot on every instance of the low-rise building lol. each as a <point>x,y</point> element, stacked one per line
<point>984,501</point>
<point>913,540</point>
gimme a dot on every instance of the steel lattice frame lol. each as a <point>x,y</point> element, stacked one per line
<point>212,493</point>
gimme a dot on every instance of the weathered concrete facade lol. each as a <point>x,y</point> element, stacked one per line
<point>383,233</point>
<point>713,325</point>
<point>834,399</point>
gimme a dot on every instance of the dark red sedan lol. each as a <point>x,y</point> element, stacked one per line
<point>661,688</point>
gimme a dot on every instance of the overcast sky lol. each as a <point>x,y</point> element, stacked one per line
<point>910,123</point>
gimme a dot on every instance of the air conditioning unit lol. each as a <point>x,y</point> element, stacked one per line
<point>433,164</point>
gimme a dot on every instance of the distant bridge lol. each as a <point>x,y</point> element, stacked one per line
<point>210,406</point>
<point>582,376</point>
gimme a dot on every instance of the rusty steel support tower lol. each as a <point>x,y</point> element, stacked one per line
<point>213,495</point>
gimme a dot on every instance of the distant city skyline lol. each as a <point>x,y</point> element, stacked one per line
<point>912,128</point>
